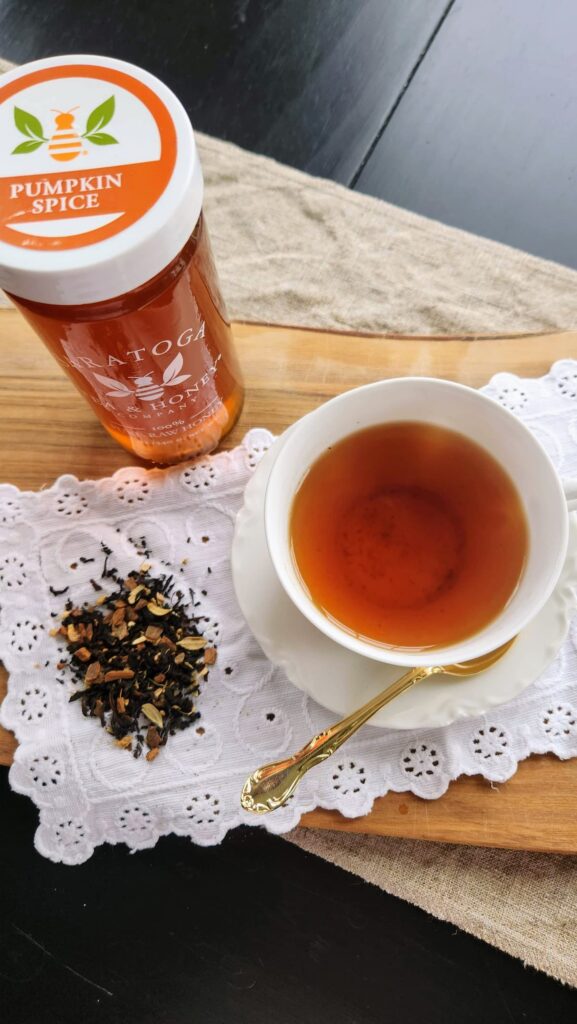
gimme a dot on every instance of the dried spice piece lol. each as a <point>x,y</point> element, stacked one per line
<point>138,656</point>
<point>93,673</point>
<point>156,609</point>
<point>82,653</point>
<point>153,714</point>
<point>152,737</point>
<point>192,643</point>
<point>153,632</point>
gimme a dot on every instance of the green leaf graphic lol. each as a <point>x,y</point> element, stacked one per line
<point>99,117</point>
<point>29,146</point>
<point>101,139</point>
<point>28,124</point>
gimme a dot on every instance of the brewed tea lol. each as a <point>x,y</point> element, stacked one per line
<point>409,534</point>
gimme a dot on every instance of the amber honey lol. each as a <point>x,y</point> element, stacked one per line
<point>410,535</point>
<point>120,354</point>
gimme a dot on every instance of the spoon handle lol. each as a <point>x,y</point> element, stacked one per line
<point>270,786</point>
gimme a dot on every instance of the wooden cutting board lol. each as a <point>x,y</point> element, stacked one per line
<point>47,430</point>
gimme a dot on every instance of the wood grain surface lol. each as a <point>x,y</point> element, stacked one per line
<point>47,430</point>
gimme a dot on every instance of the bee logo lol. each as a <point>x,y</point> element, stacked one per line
<point>65,143</point>
<point>146,389</point>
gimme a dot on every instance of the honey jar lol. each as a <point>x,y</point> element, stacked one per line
<point>104,249</point>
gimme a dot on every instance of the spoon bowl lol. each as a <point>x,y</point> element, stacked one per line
<point>270,786</point>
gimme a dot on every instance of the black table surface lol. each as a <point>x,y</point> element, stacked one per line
<point>459,109</point>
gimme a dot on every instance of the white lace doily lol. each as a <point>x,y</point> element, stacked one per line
<point>88,791</point>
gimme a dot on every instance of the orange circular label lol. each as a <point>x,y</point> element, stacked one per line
<point>86,152</point>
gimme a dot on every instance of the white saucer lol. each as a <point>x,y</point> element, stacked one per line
<point>341,680</point>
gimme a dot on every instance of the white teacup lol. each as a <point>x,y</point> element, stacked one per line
<point>545,499</point>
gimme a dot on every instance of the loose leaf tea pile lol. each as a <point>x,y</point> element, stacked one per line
<point>140,659</point>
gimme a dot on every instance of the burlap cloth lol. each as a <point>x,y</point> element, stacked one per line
<point>298,250</point>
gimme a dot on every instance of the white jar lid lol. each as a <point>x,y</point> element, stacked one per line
<point>100,180</point>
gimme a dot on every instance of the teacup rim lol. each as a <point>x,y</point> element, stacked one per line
<point>476,645</point>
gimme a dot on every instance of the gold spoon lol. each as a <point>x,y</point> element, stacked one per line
<point>269,787</point>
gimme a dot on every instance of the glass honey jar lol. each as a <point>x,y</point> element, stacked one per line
<point>104,249</point>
